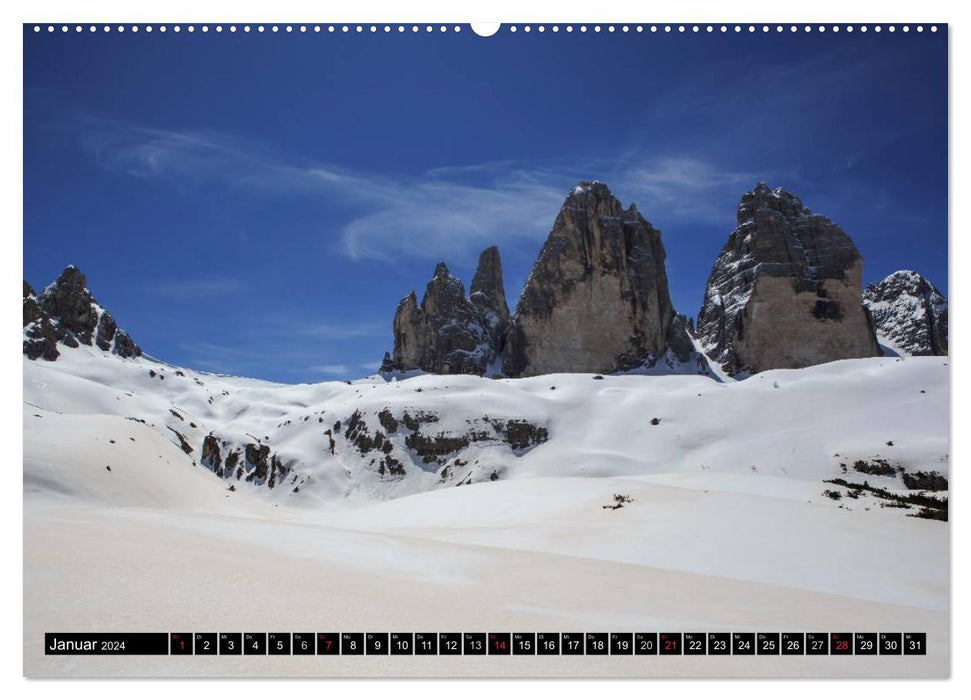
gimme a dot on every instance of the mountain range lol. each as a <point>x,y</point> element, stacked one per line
<point>784,295</point>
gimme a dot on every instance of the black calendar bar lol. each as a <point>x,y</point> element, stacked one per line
<point>629,644</point>
<point>112,644</point>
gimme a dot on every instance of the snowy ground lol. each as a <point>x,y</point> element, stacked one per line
<point>727,530</point>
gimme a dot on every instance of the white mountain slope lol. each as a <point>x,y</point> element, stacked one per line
<point>727,527</point>
<point>787,423</point>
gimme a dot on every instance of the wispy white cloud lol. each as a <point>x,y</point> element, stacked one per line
<point>195,288</point>
<point>253,358</point>
<point>289,324</point>
<point>685,188</point>
<point>443,212</point>
<point>336,370</point>
<point>214,351</point>
<point>339,331</point>
<point>434,218</point>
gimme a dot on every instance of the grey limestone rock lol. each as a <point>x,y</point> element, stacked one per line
<point>597,297</point>
<point>785,291</point>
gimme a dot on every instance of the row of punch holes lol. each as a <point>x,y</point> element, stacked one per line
<point>513,28</point>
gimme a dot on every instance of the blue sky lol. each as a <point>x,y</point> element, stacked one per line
<point>258,203</point>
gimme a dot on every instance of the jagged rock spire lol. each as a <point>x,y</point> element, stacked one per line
<point>486,290</point>
<point>449,333</point>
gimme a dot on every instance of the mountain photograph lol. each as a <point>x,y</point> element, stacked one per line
<point>451,334</point>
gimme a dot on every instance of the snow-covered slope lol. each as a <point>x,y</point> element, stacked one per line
<point>335,443</point>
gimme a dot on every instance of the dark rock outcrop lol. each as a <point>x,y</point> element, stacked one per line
<point>450,333</point>
<point>211,455</point>
<point>41,334</point>
<point>597,297</point>
<point>679,338</point>
<point>521,434</point>
<point>925,481</point>
<point>394,444</point>
<point>785,291</point>
<point>66,314</point>
<point>253,462</point>
<point>909,312</point>
<point>183,443</point>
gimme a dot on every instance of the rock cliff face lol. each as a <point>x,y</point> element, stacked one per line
<point>65,314</point>
<point>785,291</point>
<point>597,297</point>
<point>909,312</point>
<point>449,333</point>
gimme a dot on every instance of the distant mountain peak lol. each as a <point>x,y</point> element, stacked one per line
<point>909,312</point>
<point>65,314</point>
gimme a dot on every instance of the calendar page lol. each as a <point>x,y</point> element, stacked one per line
<point>592,350</point>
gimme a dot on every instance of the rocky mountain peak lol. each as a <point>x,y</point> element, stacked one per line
<point>593,197</point>
<point>65,314</point>
<point>444,294</point>
<point>68,299</point>
<point>785,291</point>
<point>597,297</point>
<point>762,197</point>
<point>909,312</point>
